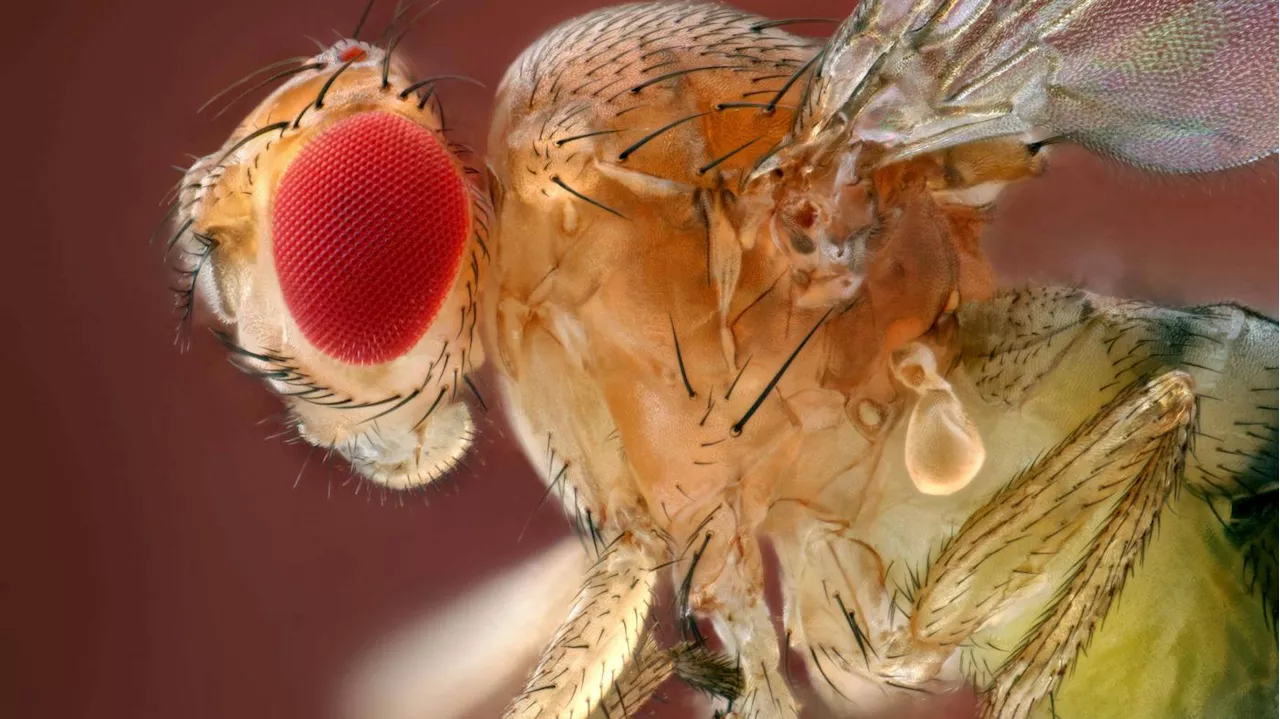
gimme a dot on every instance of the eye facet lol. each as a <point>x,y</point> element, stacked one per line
<point>368,228</point>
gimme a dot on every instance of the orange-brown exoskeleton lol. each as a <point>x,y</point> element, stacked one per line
<point>341,239</point>
<point>735,296</point>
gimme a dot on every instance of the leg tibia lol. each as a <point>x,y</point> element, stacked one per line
<point>591,650</point>
<point>1124,463</point>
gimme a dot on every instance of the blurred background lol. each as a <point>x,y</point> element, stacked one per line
<point>159,555</point>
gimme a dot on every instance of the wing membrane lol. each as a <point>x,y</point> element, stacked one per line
<point>1174,85</point>
<point>1187,87</point>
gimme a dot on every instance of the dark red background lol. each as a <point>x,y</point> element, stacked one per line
<point>156,559</point>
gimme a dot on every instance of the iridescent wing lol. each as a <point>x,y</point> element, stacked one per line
<point>1171,85</point>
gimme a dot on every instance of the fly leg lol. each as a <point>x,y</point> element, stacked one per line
<point>743,623</point>
<point>713,674</point>
<point>605,629</point>
<point>650,667</point>
<point>747,631</point>
<point>1110,478</point>
<point>1047,353</point>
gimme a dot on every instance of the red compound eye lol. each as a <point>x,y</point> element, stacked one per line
<point>368,228</point>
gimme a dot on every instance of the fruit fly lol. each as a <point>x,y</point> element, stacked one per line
<point>731,282</point>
